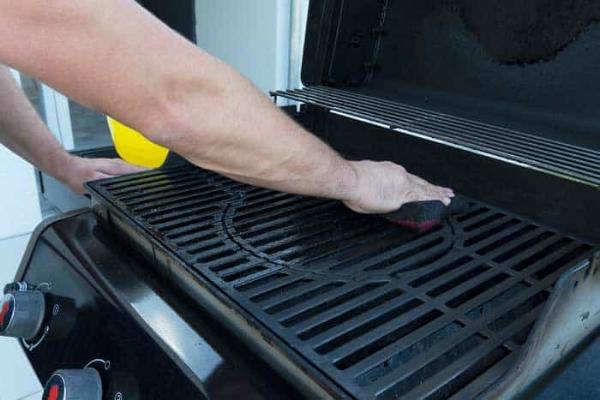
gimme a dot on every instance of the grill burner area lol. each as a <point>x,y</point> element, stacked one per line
<point>384,313</point>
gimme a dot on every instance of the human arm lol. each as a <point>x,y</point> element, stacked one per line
<point>115,57</point>
<point>23,132</point>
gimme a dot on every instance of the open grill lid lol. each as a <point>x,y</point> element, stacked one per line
<point>529,67</point>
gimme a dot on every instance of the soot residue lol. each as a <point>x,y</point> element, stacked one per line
<point>528,31</point>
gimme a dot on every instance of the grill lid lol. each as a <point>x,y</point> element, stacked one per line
<point>500,79</point>
<point>381,312</point>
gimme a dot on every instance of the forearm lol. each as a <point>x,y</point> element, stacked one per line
<point>22,130</point>
<point>98,53</point>
<point>238,132</point>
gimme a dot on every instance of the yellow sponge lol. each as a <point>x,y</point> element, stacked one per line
<point>134,148</point>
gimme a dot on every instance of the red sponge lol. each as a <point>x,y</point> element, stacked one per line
<point>423,216</point>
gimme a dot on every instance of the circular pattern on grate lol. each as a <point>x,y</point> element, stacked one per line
<point>324,237</point>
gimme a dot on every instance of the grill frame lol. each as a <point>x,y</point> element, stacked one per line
<point>177,268</point>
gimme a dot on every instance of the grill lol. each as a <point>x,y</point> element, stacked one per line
<point>536,152</point>
<point>382,312</point>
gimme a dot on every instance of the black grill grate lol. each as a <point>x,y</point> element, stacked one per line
<point>384,313</point>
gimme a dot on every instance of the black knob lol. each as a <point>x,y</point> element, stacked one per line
<point>74,384</point>
<point>22,314</point>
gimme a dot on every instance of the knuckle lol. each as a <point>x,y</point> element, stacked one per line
<point>400,168</point>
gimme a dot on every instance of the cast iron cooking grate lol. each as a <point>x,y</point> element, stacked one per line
<point>383,312</point>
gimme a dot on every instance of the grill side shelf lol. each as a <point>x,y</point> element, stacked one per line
<point>363,307</point>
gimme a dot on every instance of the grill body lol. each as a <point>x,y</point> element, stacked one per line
<point>144,339</point>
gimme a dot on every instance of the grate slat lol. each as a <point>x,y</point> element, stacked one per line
<point>448,372</point>
<point>470,327</point>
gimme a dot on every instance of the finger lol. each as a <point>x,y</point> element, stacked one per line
<point>122,167</point>
<point>117,167</point>
<point>420,181</point>
<point>431,193</point>
<point>441,192</point>
<point>444,196</point>
<point>102,175</point>
<point>96,176</point>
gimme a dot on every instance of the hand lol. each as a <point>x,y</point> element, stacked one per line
<point>384,187</point>
<point>77,171</point>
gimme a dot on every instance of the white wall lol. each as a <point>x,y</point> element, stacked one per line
<point>251,35</point>
<point>19,202</point>
<point>298,33</point>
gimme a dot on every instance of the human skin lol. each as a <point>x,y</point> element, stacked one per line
<point>22,131</point>
<point>117,58</point>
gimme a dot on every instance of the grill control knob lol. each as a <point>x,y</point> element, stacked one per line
<point>74,384</point>
<point>22,314</point>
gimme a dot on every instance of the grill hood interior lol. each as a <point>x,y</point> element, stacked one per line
<point>529,66</point>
